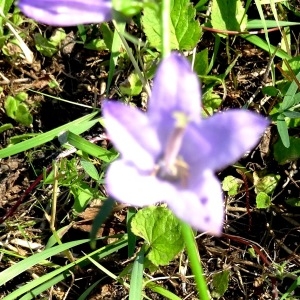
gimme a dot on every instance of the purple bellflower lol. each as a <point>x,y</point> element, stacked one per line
<point>67,12</point>
<point>170,153</point>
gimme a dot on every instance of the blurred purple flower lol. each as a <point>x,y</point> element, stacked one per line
<point>67,12</point>
<point>170,154</point>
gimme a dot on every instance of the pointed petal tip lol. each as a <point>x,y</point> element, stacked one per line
<point>176,88</point>
<point>229,135</point>
<point>201,205</point>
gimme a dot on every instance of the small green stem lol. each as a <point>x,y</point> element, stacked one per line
<point>195,261</point>
<point>133,60</point>
<point>165,27</point>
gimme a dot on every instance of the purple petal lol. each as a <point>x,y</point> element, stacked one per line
<point>175,89</point>
<point>202,205</point>
<point>127,184</point>
<point>67,12</point>
<point>131,133</point>
<point>228,135</point>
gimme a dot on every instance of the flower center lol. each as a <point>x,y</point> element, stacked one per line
<point>171,167</point>
<point>178,172</point>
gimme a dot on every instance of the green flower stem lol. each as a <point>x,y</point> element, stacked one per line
<point>165,27</point>
<point>195,261</point>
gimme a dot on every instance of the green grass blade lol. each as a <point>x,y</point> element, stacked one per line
<point>41,284</point>
<point>103,213</point>
<point>263,20</point>
<point>29,262</point>
<point>78,126</point>
<point>288,293</point>
<point>136,279</point>
<point>257,24</point>
<point>162,291</point>
<point>89,148</point>
<point>85,294</point>
<point>115,52</point>
<point>5,5</point>
<point>256,40</point>
<point>131,236</point>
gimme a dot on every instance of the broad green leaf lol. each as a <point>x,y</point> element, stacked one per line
<point>211,101</point>
<point>107,34</point>
<point>220,283</point>
<point>58,36</point>
<point>128,8</point>
<point>96,44</point>
<point>82,193</point>
<point>162,232</point>
<point>201,62</point>
<point>90,169</point>
<point>294,64</point>
<point>283,131</point>
<point>132,86</point>
<point>284,155</point>
<point>17,109</point>
<point>293,122</point>
<point>295,202</point>
<point>266,184</point>
<point>263,200</point>
<point>44,46</point>
<point>11,105</point>
<point>288,100</point>
<point>185,30</point>
<point>82,32</point>
<point>49,47</point>
<point>292,114</point>
<point>12,102</point>
<point>23,115</point>
<point>228,15</point>
<point>231,185</point>
<point>270,91</point>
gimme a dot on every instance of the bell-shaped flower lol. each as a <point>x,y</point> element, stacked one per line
<point>170,153</point>
<point>67,12</point>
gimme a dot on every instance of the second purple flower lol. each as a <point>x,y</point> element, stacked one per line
<point>67,12</point>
